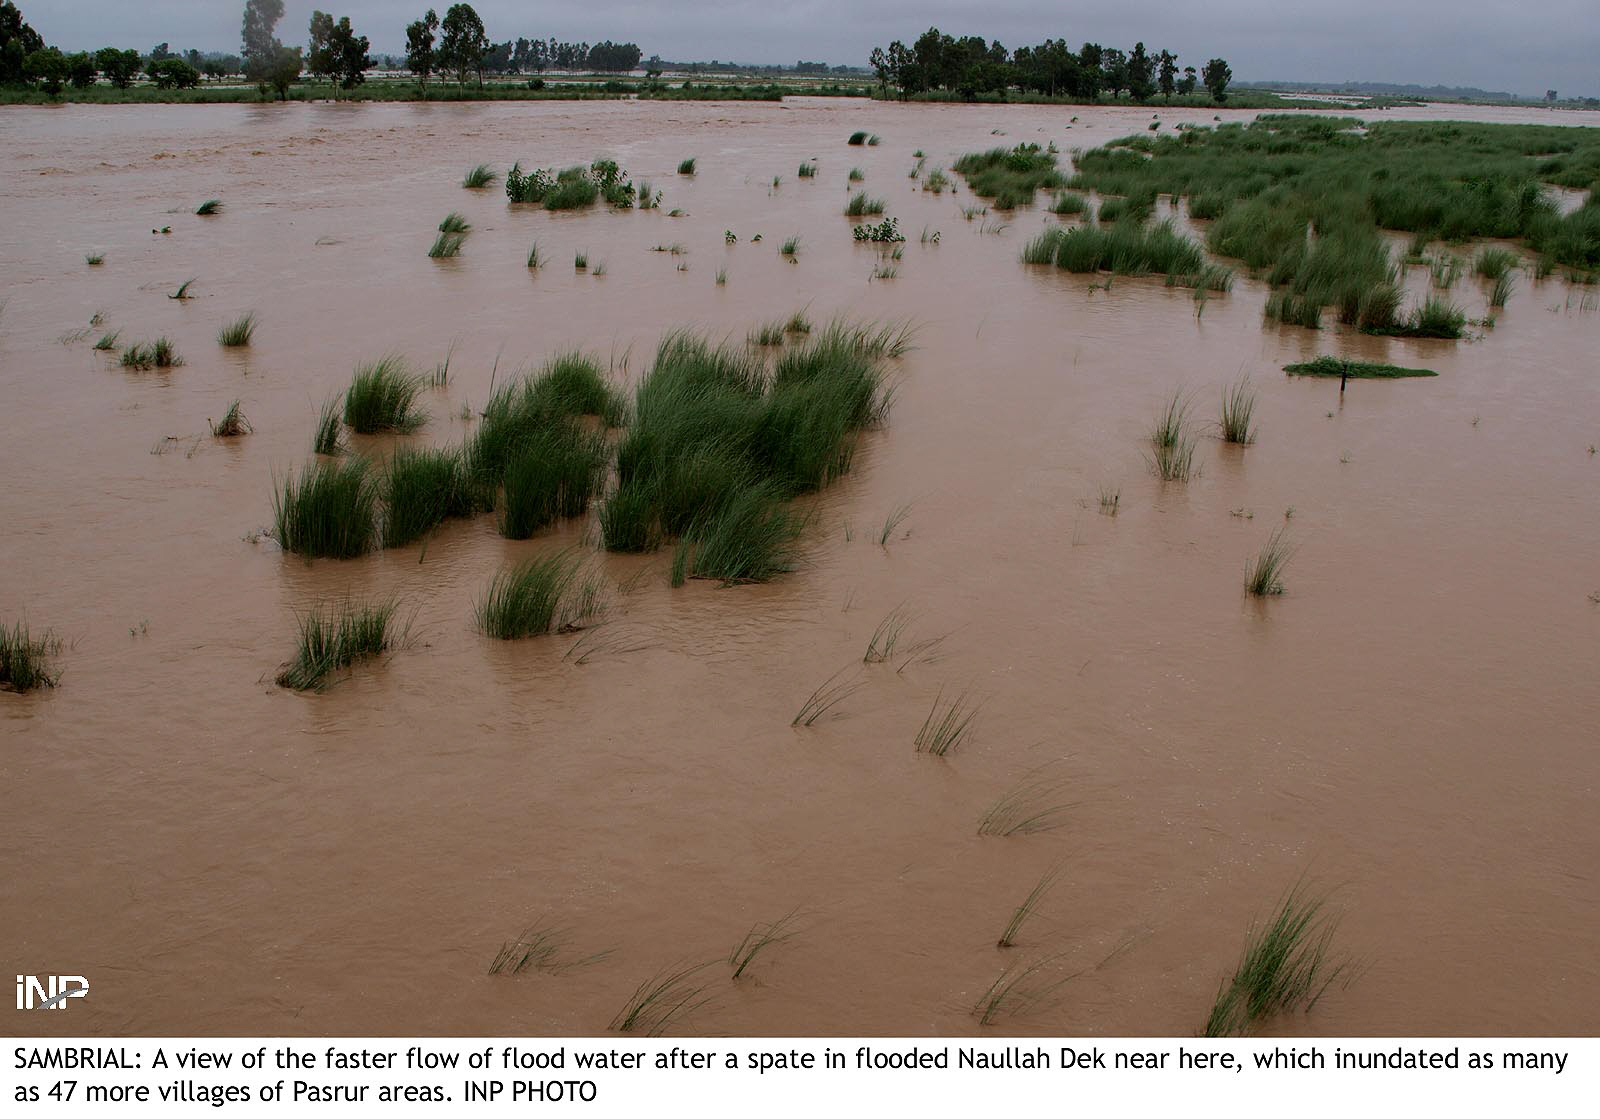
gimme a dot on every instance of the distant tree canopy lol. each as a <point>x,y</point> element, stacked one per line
<point>17,42</point>
<point>421,59</point>
<point>262,52</point>
<point>971,66</point>
<point>336,52</point>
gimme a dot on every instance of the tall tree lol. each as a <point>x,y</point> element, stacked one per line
<point>1186,84</point>
<point>1216,76</point>
<point>420,55</point>
<point>1141,74</point>
<point>350,57</point>
<point>261,47</point>
<point>320,54</point>
<point>17,42</point>
<point>81,70</point>
<point>1167,70</point>
<point>463,43</point>
<point>48,67</point>
<point>1114,70</point>
<point>283,71</point>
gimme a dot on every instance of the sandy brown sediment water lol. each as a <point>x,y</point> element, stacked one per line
<point>1413,722</point>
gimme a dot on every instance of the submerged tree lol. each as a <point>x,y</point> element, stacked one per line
<point>420,59</point>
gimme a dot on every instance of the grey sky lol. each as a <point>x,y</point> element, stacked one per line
<point>1525,47</point>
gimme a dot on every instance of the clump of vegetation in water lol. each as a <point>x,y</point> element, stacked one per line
<point>1287,965</point>
<point>1238,413</point>
<point>886,231</point>
<point>575,188</point>
<point>1327,366</point>
<point>239,332</point>
<point>232,424</point>
<point>1265,574</point>
<point>538,596</point>
<point>860,205</point>
<point>1267,183</point>
<point>160,354</point>
<point>1172,442</point>
<point>1066,203</point>
<point>446,245</point>
<point>455,222</point>
<point>480,177</point>
<point>382,397</point>
<point>857,139</point>
<point>329,510</point>
<point>720,442</point>
<point>336,637</point>
<point>529,457</point>
<point>687,166</point>
<point>209,207</point>
<point>25,661</point>
<point>1008,935</point>
<point>329,437</point>
<point>421,487</point>
<point>1130,250</point>
<point>807,170</point>
<point>947,726</point>
<point>1010,176</point>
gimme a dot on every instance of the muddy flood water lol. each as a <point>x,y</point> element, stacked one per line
<point>1411,725</point>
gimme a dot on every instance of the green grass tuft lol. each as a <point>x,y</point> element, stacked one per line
<point>538,596</point>
<point>1172,443</point>
<point>382,397</point>
<point>1287,965</point>
<point>25,661</point>
<point>1030,904</point>
<point>687,166</point>
<point>329,437</point>
<point>335,637</point>
<point>860,205</point>
<point>480,177</point>
<point>760,938</point>
<point>446,245</point>
<point>330,509</point>
<point>455,222</point>
<point>421,487</point>
<point>239,332</point>
<point>665,998</point>
<point>947,725</point>
<point>1238,413</point>
<point>209,207</point>
<point>826,696</point>
<point>233,423</point>
<point>1264,575</point>
<point>160,354</point>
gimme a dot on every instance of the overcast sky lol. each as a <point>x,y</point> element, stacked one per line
<point>1525,47</point>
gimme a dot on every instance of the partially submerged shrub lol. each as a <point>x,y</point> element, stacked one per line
<point>421,487</point>
<point>538,596</point>
<point>160,354</point>
<point>232,423</point>
<point>240,331</point>
<point>479,177</point>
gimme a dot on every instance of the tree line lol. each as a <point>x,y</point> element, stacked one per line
<point>970,67</point>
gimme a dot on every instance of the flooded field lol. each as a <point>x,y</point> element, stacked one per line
<point>1411,724</point>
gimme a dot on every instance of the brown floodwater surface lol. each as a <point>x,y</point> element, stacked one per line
<point>1412,724</point>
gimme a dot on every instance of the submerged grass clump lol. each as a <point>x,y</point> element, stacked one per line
<point>108,340</point>
<point>329,436</point>
<point>446,245</point>
<point>687,166</point>
<point>1011,176</point>
<point>382,397</point>
<point>549,474</point>
<point>232,423</point>
<point>1264,576</point>
<point>1030,904</point>
<point>329,510</point>
<point>1287,965</point>
<point>721,442</point>
<point>860,205</point>
<point>948,724</point>
<point>826,696</point>
<point>663,999</point>
<point>1034,805</point>
<point>1238,413</point>
<point>421,488</point>
<point>546,594</point>
<point>25,661</point>
<point>1172,443</point>
<point>160,354</point>
<point>480,176</point>
<point>208,207</point>
<point>455,222</point>
<point>239,332</point>
<point>1328,366</point>
<point>760,938</point>
<point>335,637</point>
<point>1129,249</point>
